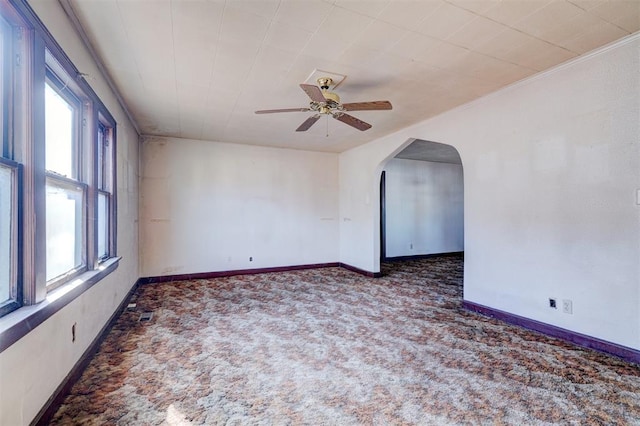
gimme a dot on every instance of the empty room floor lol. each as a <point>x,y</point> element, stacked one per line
<point>328,346</point>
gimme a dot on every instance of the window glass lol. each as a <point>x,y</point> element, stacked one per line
<point>6,216</point>
<point>104,194</point>
<point>64,228</point>
<point>59,134</point>
<point>3,34</point>
<point>102,135</point>
<point>5,38</point>
<point>103,225</point>
<point>10,293</point>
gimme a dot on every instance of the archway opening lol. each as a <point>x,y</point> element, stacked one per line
<point>421,202</point>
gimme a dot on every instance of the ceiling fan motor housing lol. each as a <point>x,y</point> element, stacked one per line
<point>330,96</point>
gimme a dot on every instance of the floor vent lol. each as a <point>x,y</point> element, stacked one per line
<point>146,316</point>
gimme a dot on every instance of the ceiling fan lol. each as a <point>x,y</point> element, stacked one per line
<point>328,103</point>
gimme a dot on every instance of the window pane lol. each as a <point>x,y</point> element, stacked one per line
<point>100,165</point>
<point>103,224</point>
<point>2,90</point>
<point>59,122</point>
<point>6,213</point>
<point>4,78</point>
<point>65,223</point>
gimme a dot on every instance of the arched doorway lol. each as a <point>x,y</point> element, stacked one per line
<point>421,202</point>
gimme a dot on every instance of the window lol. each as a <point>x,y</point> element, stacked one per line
<point>57,168</point>
<point>105,182</point>
<point>10,289</point>
<point>65,193</point>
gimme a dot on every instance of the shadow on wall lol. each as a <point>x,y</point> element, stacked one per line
<point>421,202</point>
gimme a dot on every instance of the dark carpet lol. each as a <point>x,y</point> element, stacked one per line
<point>330,347</point>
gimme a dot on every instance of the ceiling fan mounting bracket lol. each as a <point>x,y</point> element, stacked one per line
<point>325,82</point>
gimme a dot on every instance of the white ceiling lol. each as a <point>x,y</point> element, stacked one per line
<point>199,69</point>
<point>430,151</point>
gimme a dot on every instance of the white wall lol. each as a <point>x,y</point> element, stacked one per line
<point>551,170</point>
<point>209,206</point>
<point>32,368</point>
<point>424,208</point>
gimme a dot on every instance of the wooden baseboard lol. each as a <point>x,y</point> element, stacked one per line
<point>219,274</point>
<point>423,256</point>
<point>361,271</point>
<point>624,352</point>
<point>47,412</point>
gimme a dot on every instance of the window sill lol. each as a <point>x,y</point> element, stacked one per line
<point>19,323</point>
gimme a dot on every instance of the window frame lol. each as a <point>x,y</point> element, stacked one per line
<point>106,184</point>
<point>10,52</point>
<point>38,59</point>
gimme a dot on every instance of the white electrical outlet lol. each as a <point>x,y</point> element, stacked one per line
<point>567,306</point>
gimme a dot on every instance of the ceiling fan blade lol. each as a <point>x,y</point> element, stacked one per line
<point>308,123</point>
<point>313,92</point>
<point>367,106</point>
<point>270,111</point>
<point>352,121</point>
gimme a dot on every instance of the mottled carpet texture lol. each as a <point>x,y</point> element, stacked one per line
<point>330,347</point>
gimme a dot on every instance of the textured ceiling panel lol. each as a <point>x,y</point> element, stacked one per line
<point>200,68</point>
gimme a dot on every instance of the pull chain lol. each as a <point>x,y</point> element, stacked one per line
<point>327,125</point>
